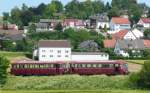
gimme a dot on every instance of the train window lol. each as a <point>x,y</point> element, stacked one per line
<point>111,65</point>
<point>25,66</point>
<point>99,65</point>
<point>94,65</point>
<point>88,65</point>
<point>36,66</point>
<point>79,65</point>
<point>46,66</point>
<point>116,65</point>
<point>41,66</point>
<point>75,65</point>
<point>51,65</point>
<point>17,66</point>
<point>105,65</point>
<point>84,65</point>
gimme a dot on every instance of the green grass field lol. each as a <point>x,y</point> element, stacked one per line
<point>140,62</point>
<point>78,91</point>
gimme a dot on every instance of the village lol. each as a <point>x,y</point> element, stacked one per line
<point>103,46</point>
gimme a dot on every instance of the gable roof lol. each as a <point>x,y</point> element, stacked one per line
<point>120,20</point>
<point>109,43</point>
<point>147,43</point>
<point>146,20</point>
<point>131,44</point>
<point>54,43</point>
<point>120,34</point>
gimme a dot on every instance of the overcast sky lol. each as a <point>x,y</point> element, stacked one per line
<point>7,5</point>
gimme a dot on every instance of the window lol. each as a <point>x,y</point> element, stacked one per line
<point>66,56</point>
<point>99,65</point>
<point>84,65</point>
<point>51,50</point>
<point>43,50</point>
<point>51,55</point>
<point>59,51</point>
<point>67,51</point>
<point>88,65</point>
<point>105,65</point>
<point>43,56</point>
<point>59,55</point>
<point>94,65</point>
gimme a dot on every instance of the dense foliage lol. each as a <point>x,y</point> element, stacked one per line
<point>74,9</point>
<point>4,64</point>
<point>147,34</point>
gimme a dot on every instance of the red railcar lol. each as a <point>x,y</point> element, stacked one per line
<point>99,67</point>
<point>74,67</point>
<point>37,68</point>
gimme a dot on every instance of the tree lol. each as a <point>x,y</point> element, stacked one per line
<point>4,64</point>
<point>144,80</point>
<point>147,33</point>
<point>114,12</point>
<point>59,27</point>
<point>5,20</point>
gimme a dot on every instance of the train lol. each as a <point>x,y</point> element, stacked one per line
<point>28,68</point>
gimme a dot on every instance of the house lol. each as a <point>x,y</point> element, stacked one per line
<point>12,35</point>
<point>60,50</point>
<point>99,21</point>
<point>74,23</point>
<point>47,25</point>
<point>120,23</point>
<point>54,50</point>
<point>9,27</point>
<point>128,34</point>
<point>89,56</point>
<point>123,47</point>
<point>109,43</point>
<point>145,22</point>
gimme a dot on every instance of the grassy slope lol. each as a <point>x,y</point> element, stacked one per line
<point>140,62</point>
<point>67,82</point>
<point>13,55</point>
<point>78,91</point>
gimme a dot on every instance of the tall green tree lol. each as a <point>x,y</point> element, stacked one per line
<point>4,64</point>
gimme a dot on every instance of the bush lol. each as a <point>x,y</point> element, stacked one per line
<point>4,64</point>
<point>144,76</point>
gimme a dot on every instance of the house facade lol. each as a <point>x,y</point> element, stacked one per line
<point>60,50</point>
<point>145,22</point>
<point>119,23</point>
<point>74,23</point>
<point>123,47</point>
<point>99,21</point>
<point>47,25</point>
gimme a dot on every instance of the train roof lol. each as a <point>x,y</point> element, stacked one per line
<point>99,61</point>
<point>38,62</point>
<point>74,62</point>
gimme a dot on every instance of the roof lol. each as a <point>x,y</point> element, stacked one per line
<point>109,43</point>
<point>120,34</point>
<point>77,22</point>
<point>131,44</point>
<point>54,43</point>
<point>120,20</point>
<point>12,34</point>
<point>147,43</point>
<point>49,20</point>
<point>87,53</point>
<point>146,20</point>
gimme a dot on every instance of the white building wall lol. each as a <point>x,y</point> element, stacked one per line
<point>130,36</point>
<point>54,54</point>
<point>89,57</point>
<point>102,24</point>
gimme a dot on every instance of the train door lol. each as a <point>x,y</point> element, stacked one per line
<point>57,68</point>
<point>117,68</point>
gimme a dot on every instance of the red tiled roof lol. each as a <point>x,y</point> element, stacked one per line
<point>147,43</point>
<point>146,20</point>
<point>120,20</point>
<point>120,34</point>
<point>110,43</point>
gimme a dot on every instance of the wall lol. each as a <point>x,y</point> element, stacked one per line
<point>54,54</point>
<point>90,57</point>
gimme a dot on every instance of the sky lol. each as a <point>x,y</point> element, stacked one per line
<point>7,5</point>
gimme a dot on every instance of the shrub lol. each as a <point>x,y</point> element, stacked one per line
<point>144,76</point>
<point>4,64</point>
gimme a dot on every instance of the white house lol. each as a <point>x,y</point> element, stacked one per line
<point>122,47</point>
<point>119,23</point>
<point>145,22</point>
<point>89,56</point>
<point>128,34</point>
<point>60,50</point>
<point>54,50</point>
